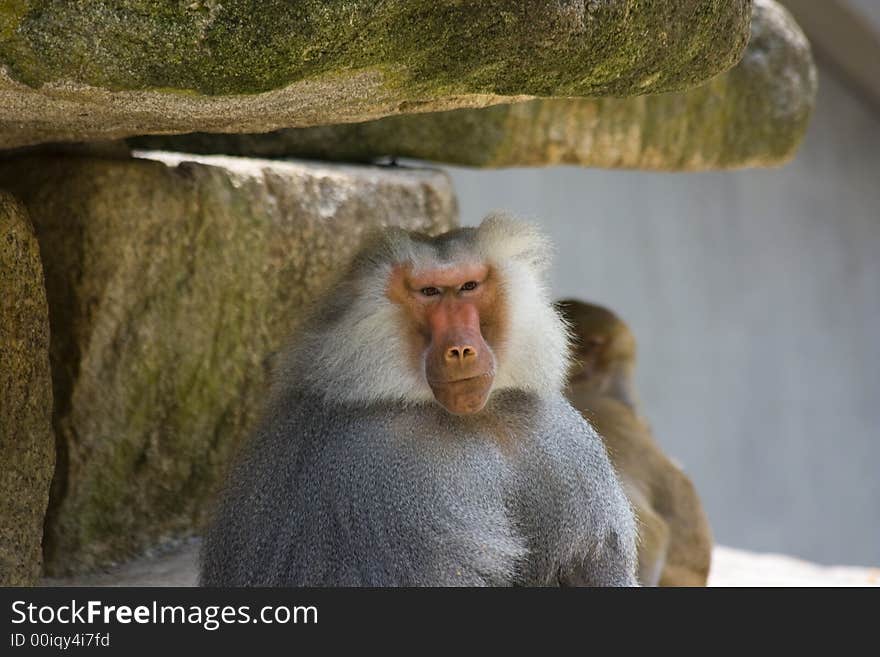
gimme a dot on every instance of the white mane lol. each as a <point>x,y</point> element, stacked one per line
<point>353,351</point>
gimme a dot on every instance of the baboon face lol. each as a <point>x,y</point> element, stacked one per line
<point>455,315</point>
<point>601,341</point>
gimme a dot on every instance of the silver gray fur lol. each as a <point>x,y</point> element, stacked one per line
<point>399,492</point>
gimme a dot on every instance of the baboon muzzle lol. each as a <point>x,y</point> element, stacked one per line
<point>459,365</point>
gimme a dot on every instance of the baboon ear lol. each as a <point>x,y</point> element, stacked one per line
<point>501,237</point>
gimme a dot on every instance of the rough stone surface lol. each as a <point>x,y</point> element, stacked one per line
<point>756,114</point>
<point>170,284</point>
<point>106,69</point>
<point>27,443</point>
<point>178,566</point>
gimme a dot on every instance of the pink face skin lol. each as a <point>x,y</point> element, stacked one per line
<point>446,305</point>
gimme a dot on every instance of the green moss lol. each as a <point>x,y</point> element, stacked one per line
<point>27,443</point>
<point>430,48</point>
<point>752,115</point>
<point>11,14</point>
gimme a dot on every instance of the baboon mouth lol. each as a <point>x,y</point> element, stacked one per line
<point>464,396</point>
<point>485,375</point>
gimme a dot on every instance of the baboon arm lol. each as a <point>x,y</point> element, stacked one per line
<point>611,566</point>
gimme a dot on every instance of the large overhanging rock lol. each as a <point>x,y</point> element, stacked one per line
<point>169,289</point>
<point>27,443</point>
<point>107,69</point>
<point>753,115</point>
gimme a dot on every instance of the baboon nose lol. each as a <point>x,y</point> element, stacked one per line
<point>460,353</point>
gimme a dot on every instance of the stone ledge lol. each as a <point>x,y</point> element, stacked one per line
<point>108,69</point>
<point>754,115</point>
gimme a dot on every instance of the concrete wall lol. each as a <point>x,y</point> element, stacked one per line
<point>756,299</point>
<point>867,9</point>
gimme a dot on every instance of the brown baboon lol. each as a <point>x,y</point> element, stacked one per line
<point>675,542</point>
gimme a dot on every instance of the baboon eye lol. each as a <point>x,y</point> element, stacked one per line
<point>430,291</point>
<point>470,285</point>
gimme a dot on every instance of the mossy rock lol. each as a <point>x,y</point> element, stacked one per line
<point>170,287</point>
<point>106,69</point>
<point>27,442</point>
<point>755,114</point>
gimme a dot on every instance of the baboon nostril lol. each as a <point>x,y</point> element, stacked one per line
<point>460,353</point>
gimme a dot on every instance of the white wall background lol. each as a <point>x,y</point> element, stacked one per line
<point>756,299</point>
